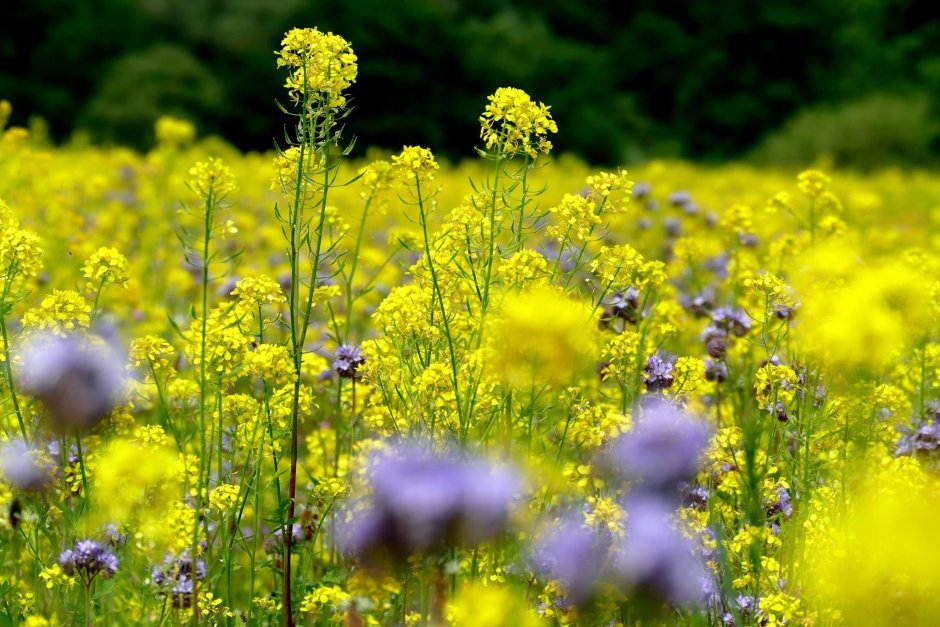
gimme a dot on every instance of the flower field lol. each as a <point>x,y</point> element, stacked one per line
<point>305,388</point>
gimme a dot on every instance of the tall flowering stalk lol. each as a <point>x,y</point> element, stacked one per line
<point>512,125</point>
<point>20,259</point>
<point>211,181</point>
<point>322,67</point>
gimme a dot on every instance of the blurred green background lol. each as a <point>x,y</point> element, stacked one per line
<point>772,81</point>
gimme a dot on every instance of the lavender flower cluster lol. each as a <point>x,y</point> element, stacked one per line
<point>88,559</point>
<point>78,381</point>
<point>421,502</point>
<point>653,559</point>
<point>176,576</point>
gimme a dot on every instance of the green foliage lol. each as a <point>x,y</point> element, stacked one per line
<point>875,130</point>
<point>142,86</point>
<point>638,80</point>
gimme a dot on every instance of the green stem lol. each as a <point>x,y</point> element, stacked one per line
<point>440,300</point>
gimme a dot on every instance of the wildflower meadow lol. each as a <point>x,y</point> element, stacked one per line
<point>308,388</point>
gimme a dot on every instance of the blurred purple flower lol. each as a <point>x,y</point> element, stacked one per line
<point>701,304</point>
<point>23,468</point>
<point>572,553</point>
<point>175,578</point>
<point>623,305</point>
<point>662,450</point>
<point>780,509</point>
<point>77,380</point>
<point>716,370</point>
<point>655,559</point>
<point>716,341</point>
<point>680,198</point>
<point>731,320</point>
<point>673,226</point>
<point>641,189</point>
<point>423,501</point>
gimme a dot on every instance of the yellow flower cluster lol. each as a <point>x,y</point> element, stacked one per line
<point>151,350</point>
<point>322,66</point>
<point>330,597</point>
<point>106,266</point>
<point>513,123</point>
<point>525,268</point>
<point>224,496</point>
<point>173,132</point>
<point>415,165</point>
<point>211,178</point>
<point>576,218</point>
<point>61,312</point>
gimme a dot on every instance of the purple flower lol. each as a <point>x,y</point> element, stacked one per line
<point>673,226</point>
<point>641,189</point>
<point>695,497</point>
<point>176,576</point>
<point>348,360</point>
<point>730,320</point>
<point>565,256</point>
<point>274,543</point>
<point>780,508</point>
<point>718,265</point>
<point>748,240</point>
<point>88,559</point>
<point>716,341</point>
<point>78,381</point>
<point>23,468</point>
<point>923,437</point>
<point>716,370</point>
<point>700,305</point>
<point>662,450</point>
<point>573,554</point>
<point>423,501</point>
<point>655,559</point>
<point>115,538</point>
<point>679,198</point>
<point>784,312</point>
<point>623,305</point>
<point>658,373</point>
<point>55,452</point>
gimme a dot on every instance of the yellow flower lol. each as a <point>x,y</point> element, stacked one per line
<point>271,362</point>
<point>605,512</point>
<point>152,350</point>
<point>523,269</point>
<point>211,177</point>
<point>61,312</point>
<point>325,596</point>
<point>775,384</point>
<point>513,123</point>
<point>53,576</point>
<point>415,165</point>
<point>575,218</point>
<point>255,291</point>
<point>224,496</point>
<point>813,183</point>
<point>173,132</point>
<point>542,336</point>
<point>105,266</point>
<point>20,251</point>
<point>322,65</point>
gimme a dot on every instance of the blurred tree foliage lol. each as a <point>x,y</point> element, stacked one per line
<point>626,80</point>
